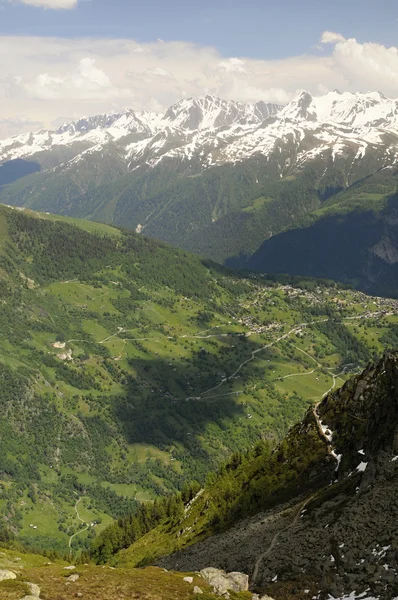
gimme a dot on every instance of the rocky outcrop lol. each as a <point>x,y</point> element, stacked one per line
<point>222,582</point>
<point>197,590</point>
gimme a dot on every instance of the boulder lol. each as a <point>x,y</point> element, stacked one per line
<point>197,590</point>
<point>4,574</point>
<point>188,579</point>
<point>73,577</point>
<point>222,581</point>
<point>33,589</point>
<point>240,580</point>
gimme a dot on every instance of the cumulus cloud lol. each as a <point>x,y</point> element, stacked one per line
<point>364,66</point>
<point>49,77</point>
<point>88,82</point>
<point>233,65</point>
<point>54,4</point>
<point>330,37</point>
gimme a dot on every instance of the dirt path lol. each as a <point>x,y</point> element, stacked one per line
<point>309,356</point>
<point>333,386</point>
<point>254,575</point>
<point>298,374</point>
<point>295,329</point>
<point>80,530</point>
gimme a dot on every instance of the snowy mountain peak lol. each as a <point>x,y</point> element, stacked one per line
<point>86,124</point>
<point>354,110</point>
<point>117,124</point>
<point>300,108</point>
<point>213,113</point>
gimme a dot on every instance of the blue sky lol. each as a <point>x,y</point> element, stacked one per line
<point>96,56</point>
<point>253,28</point>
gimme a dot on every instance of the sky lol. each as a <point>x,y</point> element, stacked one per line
<point>61,59</point>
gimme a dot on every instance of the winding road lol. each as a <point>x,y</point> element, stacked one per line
<point>296,329</point>
<point>80,530</point>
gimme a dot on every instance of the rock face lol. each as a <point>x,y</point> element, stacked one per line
<point>4,574</point>
<point>223,582</point>
<point>340,537</point>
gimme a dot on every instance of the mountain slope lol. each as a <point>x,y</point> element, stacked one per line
<point>333,531</point>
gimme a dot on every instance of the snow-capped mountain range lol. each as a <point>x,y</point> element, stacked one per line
<point>188,121</point>
<point>222,178</point>
<point>214,131</point>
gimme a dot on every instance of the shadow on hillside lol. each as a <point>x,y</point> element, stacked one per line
<point>16,169</point>
<point>348,248</point>
<point>166,402</point>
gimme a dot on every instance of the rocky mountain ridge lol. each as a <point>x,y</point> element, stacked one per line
<point>217,131</point>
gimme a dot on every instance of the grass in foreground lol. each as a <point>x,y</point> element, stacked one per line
<point>97,583</point>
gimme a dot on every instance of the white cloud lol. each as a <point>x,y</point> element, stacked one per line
<point>233,65</point>
<point>330,37</point>
<point>42,79</point>
<point>368,66</point>
<point>88,82</point>
<point>54,4</point>
<point>15,126</point>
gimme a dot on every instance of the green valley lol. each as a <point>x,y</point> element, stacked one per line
<point>129,368</point>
